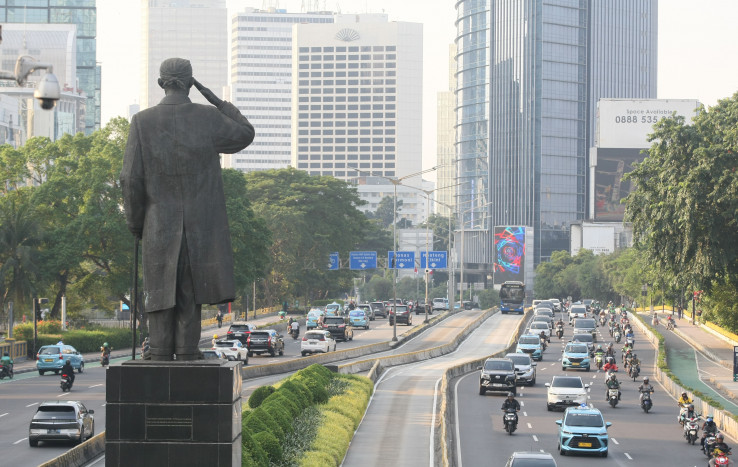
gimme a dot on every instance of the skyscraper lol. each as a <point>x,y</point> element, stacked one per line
<point>196,30</point>
<point>530,74</point>
<point>82,13</point>
<point>261,82</point>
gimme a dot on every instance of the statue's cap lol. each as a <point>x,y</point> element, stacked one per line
<point>176,71</point>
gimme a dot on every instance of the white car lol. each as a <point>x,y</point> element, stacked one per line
<point>556,303</point>
<point>317,341</point>
<point>233,350</point>
<point>537,326</point>
<point>566,391</point>
<point>577,311</point>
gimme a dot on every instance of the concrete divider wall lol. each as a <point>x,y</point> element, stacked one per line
<point>81,454</point>
<point>724,420</point>
<point>445,445</point>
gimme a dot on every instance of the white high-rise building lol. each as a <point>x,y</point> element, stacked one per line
<point>261,83</point>
<point>358,97</point>
<point>193,29</point>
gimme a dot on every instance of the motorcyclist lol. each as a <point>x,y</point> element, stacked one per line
<point>610,365</point>
<point>612,383</point>
<point>69,371</point>
<point>599,352</point>
<point>683,402</point>
<point>718,446</point>
<point>709,428</point>
<point>106,349</point>
<point>215,339</point>
<point>295,327</point>
<point>511,403</point>
<point>542,336</point>
<point>635,362</point>
<point>644,388</point>
<point>7,361</point>
<point>610,352</point>
<point>629,335</point>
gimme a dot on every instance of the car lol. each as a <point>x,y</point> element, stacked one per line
<point>419,307</point>
<point>232,350</point>
<point>587,302</point>
<point>379,309</point>
<point>543,318</point>
<point>339,327</point>
<point>537,326</point>
<point>531,459</point>
<point>265,341</point>
<point>544,304</point>
<point>212,354</point>
<point>530,344</point>
<point>577,311</point>
<point>240,330</point>
<point>556,303</point>
<point>358,319</point>
<point>535,303</point>
<point>525,368</point>
<point>314,318</point>
<point>333,309</point>
<point>368,310</point>
<point>439,304</point>
<point>575,355</point>
<point>53,357</point>
<point>61,421</point>
<point>586,325</point>
<point>543,312</point>
<point>583,429</point>
<point>317,341</point>
<point>586,338</point>
<point>403,315</point>
<point>497,374</point>
<point>469,305</point>
<point>565,391</point>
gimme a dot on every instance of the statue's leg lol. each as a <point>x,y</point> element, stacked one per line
<point>161,337</point>
<point>187,325</point>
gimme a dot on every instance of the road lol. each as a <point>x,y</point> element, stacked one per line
<point>636,438</point>
<point>397,427</point>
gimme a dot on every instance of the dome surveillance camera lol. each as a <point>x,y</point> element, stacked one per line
<point>47,91</point>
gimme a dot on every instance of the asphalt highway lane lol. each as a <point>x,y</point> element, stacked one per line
<point>398,426</point>
<point>636,438</point>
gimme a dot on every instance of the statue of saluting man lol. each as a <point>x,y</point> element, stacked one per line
<point>174,202</point>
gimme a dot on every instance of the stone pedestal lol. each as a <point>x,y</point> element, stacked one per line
<point>173,414</point>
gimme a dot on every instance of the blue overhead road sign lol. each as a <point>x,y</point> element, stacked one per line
<point>363,260</point>
<point>405,259</point>
<point>437,260</point>
<point>333,263</point>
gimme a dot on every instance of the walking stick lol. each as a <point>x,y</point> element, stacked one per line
<point>134,304</point>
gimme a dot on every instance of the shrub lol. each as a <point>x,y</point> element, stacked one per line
<point>316,388</point>
<point>266,417</point>
<point>258,396</point>
<point>296,391</point>
<point>280,415</point>
<point>252,453</point>
<point>334,436</point>
<point>316,459</point>
<point>253,424</point>
<point>280,398</point>
<point>270,444</point>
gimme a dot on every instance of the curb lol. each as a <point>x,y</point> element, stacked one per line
<point>703,349</point>
<point>79,455</point>
<point>33,368</point>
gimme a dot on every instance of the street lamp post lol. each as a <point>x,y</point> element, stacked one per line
<point>395,182</point>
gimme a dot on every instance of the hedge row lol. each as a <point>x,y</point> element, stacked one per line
<point>265,427</point>
<point>82,340</point>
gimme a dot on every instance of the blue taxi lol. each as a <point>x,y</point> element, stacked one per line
<point>575,355</point>
<point>333,309</point>
<point>583,429</point>
<point>359,319</point>
<point>52,358</point>
<point>314,318</point>
<point>530,344</point>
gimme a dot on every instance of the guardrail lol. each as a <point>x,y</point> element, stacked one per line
<point>16,349</point>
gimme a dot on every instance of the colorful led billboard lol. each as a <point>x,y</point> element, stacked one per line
<point>509,248</point>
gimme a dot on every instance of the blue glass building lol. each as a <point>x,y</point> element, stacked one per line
<point>83,13</point>
<point>529,75</point>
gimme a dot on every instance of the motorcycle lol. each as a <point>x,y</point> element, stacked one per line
<point>559,331</point>
<point>6,371</point>
<point>616,335</point>
<point>295,333</point>
<point>603,320</point>
<point>543,343</point>
<point>105,359</point>
<point>612,396</point>
<point>691,427</point>
<point>510,420</point>
<point>66,382</point>
<point>709,445</point>
<point>634,371</point>
<point>646,403</point>
<point>721,459</point>
<point>670,325</point>
<point>629,341</point>
<point>598,361</point>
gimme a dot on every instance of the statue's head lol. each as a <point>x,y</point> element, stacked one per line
<point>176,73</point>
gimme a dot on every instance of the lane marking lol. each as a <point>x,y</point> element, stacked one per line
<point>62,394</point>
<point>6,413</point>
<point>535,438</point>
<point>614,440</point>
<point>31,405</point>
<point>20,440</point>
<point>94,386</point>
<point>525,414</point>
<point>522,403</point>
<point>433,423</point>
<point>530,426</point>
<point>628,456</point>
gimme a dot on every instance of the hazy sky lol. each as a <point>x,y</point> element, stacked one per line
<point>698,49</point>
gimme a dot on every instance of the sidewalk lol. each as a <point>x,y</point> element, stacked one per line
<point>714,367</point>
<point>28,365</point>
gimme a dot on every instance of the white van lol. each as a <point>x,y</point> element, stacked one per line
<point>440,304</point>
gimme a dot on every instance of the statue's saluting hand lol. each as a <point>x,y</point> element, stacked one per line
<point>207,93</point>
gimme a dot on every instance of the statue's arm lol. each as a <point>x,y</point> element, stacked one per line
<point>132,182</point>
<point>233,132</point>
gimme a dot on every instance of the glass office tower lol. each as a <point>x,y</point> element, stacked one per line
<point>529,104</point>
<point>82,13</point>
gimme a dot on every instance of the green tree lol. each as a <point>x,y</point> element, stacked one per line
<point>381,288</point>
<point>386,210</point>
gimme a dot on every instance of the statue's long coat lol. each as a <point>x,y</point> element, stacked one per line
<point>173,189</point>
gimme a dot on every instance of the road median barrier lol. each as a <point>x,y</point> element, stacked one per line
<point>725,421</point>
<point>79,455</point>
<point>445,447</point>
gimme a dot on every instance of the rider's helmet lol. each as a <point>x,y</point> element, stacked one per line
<point>105,344</point>
<point>6,354</point>
<point>599,347</point>
<point>645,380</point>
<point>215,336</point>
<point>684,395</point>
<point>690,407</point>
<point>635,355</point>
<point>709,419</point>
<point>719,436</point>
<point>610,360</point>
<point>509,394</point>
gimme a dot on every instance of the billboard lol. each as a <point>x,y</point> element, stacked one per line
<point>626,123</point>
<point>609,187</point>
<point>509,254</point>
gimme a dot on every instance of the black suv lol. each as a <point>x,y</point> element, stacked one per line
<point>379,309</point>
<point>339,327</point>
<point>240,331</point>
<point>265,341</point>
<point>498,374</point>
<point>403,315</point>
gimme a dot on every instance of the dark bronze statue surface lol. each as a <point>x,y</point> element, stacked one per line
<point>174,202</point>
